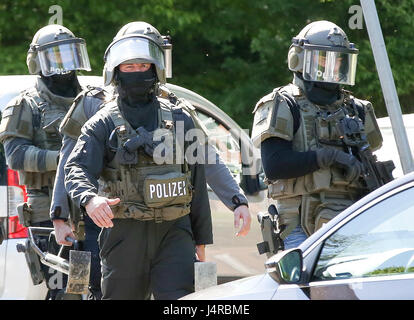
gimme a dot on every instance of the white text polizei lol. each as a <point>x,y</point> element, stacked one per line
<point>168,190</point>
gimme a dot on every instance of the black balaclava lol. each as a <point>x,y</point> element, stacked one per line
<point>321,93</point>
<point>64,85</point>
<point>136,88</point>
<point>137,96</point>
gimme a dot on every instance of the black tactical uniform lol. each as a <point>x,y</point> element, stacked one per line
<point>164,210</point>
<point>165,250</point>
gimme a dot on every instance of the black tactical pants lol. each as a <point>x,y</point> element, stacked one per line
<point>143,257</point>
<point>91,244</point>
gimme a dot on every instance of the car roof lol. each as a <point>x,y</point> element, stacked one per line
<point>11,86</point>
<point>408,178</point>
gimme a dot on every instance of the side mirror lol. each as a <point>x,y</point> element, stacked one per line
<point>286,266</point>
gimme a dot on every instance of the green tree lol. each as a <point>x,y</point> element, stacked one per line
<point>233,52</point>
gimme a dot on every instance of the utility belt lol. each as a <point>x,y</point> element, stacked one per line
<point>37,180</point>
<point>39,187</point>
<point>311,211</point>
<point>330,180</point>
<point>138,211</point>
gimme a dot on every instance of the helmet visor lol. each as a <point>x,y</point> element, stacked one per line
<point>63,58</point>
<point>134,48</point>
<point>329,66</point>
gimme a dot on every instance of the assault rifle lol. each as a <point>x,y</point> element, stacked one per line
<point>377,173</point>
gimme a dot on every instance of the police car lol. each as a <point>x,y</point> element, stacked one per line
<point>235,257</point>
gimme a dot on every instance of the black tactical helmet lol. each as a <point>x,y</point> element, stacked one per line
<point>56,50</point>
<point>322,53</point>
<point>136,42</point>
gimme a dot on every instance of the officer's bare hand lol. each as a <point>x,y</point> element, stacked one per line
<point>63,230</point>
<point>201,252</point>
<point>242,213</point>
<point>98,209</point>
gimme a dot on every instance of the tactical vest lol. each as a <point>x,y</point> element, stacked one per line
<point>148,191</point>
<point>39,123</point>
<point>318,129</point>
<point>48,112</point>
<point>76,117</point>
<point>317,197</point>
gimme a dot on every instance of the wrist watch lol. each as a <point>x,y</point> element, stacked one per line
<point>85,200</point>
<point>238,201</point>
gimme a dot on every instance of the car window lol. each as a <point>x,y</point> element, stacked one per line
<point>379,241</point>
<point>226,145</point>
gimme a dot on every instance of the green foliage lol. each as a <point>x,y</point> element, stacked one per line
<point>389,271</point>
<point>233,52</point>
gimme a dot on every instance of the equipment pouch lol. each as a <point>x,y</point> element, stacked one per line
<point>51,119</point>
<point>338,177</point>
<point>125,157</point>
<point>24,213</point>
<point>327,211</point>
<point>281,189</point>
<point>32,180</point>
<point>167,189</point>
<point>324,216</point>
<point>318,180</point>
<point>37,180</point>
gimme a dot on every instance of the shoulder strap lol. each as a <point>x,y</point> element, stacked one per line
<point>164,92</point>
<point>294,109</point>
<point>166,113</point>
<point>359,107</point>
<point>96,91</point>
<point>112,110</point>
<point>37,104</point>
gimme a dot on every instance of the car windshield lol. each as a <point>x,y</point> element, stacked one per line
<point>227,147</point>
<point>379,241</point>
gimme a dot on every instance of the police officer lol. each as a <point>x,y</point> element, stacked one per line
<point>29,128</point>
<point>312,168</point>
<point>80,226</point>
<point>155,215</point>
<point>86,104</point>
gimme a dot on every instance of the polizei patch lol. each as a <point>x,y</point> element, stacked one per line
<point>166,190</point>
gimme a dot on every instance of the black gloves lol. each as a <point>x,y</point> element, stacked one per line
<point>142,139</point>
<point>327,157</point>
